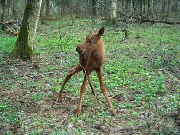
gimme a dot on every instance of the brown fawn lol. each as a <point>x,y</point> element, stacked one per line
<point>91,57</point>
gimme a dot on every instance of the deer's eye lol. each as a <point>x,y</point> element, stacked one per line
<point>89,41</point>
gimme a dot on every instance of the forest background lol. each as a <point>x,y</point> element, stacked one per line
<point>141,72</point>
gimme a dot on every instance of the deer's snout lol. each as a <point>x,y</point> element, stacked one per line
<point>79,50</point>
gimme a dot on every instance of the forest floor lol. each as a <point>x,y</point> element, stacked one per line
<point>141,73</point>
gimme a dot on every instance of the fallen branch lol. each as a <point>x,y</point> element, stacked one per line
<point>159,21</point>
<point>10,27</point>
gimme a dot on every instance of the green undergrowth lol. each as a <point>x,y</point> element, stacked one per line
<point>6,43</point>
<point>141,75</point>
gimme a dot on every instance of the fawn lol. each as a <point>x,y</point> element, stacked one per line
<point>91,57</point>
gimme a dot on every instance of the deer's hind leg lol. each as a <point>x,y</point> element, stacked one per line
<point>104,91</point>
<point>76,69</point>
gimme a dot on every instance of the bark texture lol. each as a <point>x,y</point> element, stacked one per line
<point>113,15</point>
<point>25,42</point>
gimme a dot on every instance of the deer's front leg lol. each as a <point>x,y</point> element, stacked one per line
<point>68,76</point>
<point>83,89</point>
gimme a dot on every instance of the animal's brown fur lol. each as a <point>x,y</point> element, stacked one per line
<point>91,57</point>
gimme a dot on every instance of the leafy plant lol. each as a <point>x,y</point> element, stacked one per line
<point>38,96</point>
<point>59,132</point>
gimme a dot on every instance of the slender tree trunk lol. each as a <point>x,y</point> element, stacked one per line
<point>154,10</point>
<point>25,42</point>
<point>94,7</point>
<point>141,7</point>
<point>127,4</point>
<point>42,13</point>
<point>163,10</point>
<point>149,7</point>
<point>14,10</point>
<point>133,3</point>
<point>168,8</point>
<point>4,9</point>
<point>122,4</point>
<point>113,15</point>
<point>47,8</point>
<point>144,8</point>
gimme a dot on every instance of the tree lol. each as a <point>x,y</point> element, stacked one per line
<point>4,9</point>
<point>94,8</point>
<point>113,11</point>
<point>23,47</point>
<point>47,8</point>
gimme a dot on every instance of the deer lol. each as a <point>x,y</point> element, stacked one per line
<point>91,57</point>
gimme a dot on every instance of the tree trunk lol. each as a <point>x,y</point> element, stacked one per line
<point>141,7</point>
<point>4,9</point>
<point>168,8</point>
<point>14,10</point>
<point>43,12</point>
<point>43,7</point>
<point>113,15</point>
<point>47,8</point>
<point>25,42</point>
<point>149,7</point>
<point>94,10</point>
<point>162,10</point>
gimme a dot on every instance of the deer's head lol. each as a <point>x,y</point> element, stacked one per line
<point>92,42</point>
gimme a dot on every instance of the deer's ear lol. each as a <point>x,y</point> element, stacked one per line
<point>101,31</point>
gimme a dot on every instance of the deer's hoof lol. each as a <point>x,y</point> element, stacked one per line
<point>58,99</point>
<point>78,112</point>
<point>113,112</point>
